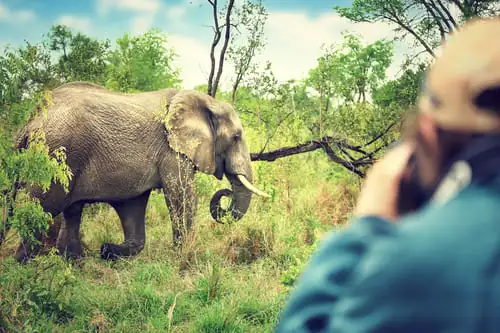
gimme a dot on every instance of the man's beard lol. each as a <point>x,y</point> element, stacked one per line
<point>428,166</point>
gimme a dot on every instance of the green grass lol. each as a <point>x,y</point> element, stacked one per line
<point>230,278</point>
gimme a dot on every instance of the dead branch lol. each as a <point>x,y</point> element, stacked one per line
<point>354,165</point>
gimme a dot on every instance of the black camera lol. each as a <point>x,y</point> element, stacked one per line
<point>412,195</point>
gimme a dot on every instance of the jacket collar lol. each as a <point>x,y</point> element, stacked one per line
<point>477,164</point>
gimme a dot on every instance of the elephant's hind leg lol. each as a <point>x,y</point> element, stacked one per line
<point>68,242</point>
<point>29,249</point>
<point>132,216</point>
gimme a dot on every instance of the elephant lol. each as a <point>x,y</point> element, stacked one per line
<point>119,150</point>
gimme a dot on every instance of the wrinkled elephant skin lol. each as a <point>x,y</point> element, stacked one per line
<point>119,151</point>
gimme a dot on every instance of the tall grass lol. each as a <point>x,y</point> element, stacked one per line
<point>229,278</point>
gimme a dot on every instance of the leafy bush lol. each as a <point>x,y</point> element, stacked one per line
<point>42,291</point>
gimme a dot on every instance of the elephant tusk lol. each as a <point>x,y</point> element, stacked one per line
<point>250,187</point>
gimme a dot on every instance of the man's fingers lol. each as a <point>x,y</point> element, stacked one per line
<point>379,193</point>
<point>396,160</point>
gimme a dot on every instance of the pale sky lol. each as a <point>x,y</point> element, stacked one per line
<point>295,30</point>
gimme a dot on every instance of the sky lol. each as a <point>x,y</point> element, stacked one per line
<point>295,30</point>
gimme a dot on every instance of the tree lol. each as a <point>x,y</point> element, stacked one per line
<point>24,76</point>
<point>143,63</point>
<point>350,71</point>
<point>251,18</point>
<point>426,21</point>
<point>351,132</point>
<point>82,59</point>
<point>401,92</point>
<point>246,21</point>
<point>347,73</point>
<point>213,77</point>
<point>268,106</point>
<point>23,71</point>
<point>60,37</point>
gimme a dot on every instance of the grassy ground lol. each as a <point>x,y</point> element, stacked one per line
<point>230,278</point>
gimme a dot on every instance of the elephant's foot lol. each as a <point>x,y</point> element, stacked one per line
<point>72,250</point>
<point>110,251</point>
<point>49,240</point>
<point>180,238</point>
<point>177,243</point>
<point>26,251</point>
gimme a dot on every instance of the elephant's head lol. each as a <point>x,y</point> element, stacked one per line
<point>210,134</point>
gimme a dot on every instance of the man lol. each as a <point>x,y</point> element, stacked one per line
<point>436,269</point>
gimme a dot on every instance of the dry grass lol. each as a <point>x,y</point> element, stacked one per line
<point>226,278</point>
<point>335,206</point>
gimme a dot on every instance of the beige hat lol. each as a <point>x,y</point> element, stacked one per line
<point>468,65</point>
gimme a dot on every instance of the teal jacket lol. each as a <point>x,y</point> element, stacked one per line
<point>434,271</point>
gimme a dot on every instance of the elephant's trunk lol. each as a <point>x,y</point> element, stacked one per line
<point>241,196</point>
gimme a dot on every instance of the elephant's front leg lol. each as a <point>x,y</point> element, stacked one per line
<point>180,195</point>
<point>132,216</point>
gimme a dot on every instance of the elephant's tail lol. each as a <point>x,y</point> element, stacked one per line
<point>22,138</point>
<point>4,229</point>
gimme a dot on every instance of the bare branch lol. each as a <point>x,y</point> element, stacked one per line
<point>438,20</point>
<point>235,27</point>
<point>391,15</point>
<point>354,165</point>
<point>216,39</point>
<point>459,5</point>
<point>448,14</point>
<point>286,151</point>
<point>334,158</point>
<point>276,127</point>
<point>224,48</point>
<point>388,128</point>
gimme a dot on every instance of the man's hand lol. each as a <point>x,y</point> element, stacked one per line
<point>380,190</point>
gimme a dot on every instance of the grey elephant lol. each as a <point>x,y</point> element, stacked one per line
<point>118,151</point>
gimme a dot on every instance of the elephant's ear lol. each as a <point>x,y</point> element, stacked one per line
<point>190,127</point>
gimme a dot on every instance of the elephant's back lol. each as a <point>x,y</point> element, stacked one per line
<point>85,110</point>
<point>112,139</point>
<point>87,114</point>
<point>96,101</point>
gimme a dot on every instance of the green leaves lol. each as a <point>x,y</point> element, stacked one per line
<point>81,58</point>
<point>22,72</point>
<point>403,91</point>
<point>35,166</point>
<point>350,70</point>
<point>142,63</point>
<point>249,21</point>
<point>139,63</point>
<point>427,22</point>
<point>30,218</point>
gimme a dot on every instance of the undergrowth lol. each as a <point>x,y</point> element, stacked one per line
<point>229,278</point>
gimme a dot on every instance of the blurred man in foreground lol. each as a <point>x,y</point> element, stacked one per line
<point>437,268</point>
